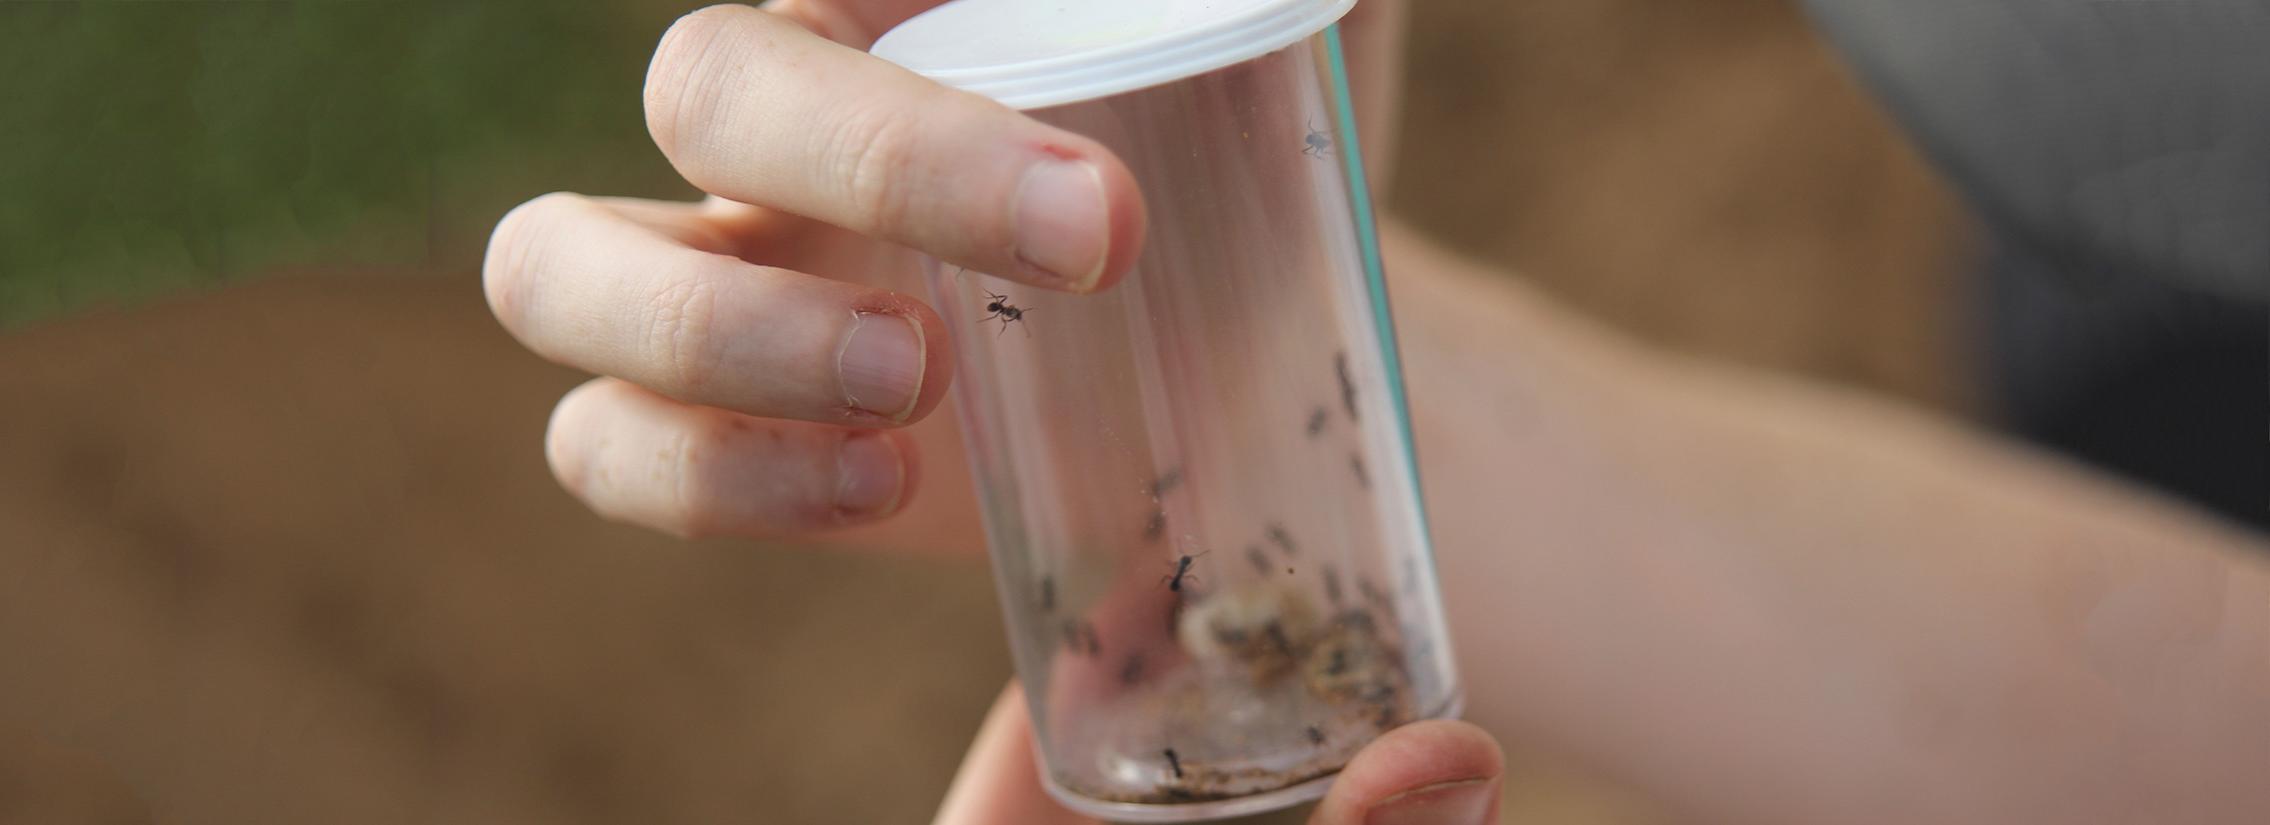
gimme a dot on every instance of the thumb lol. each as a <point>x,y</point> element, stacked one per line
<point>1428,773</point>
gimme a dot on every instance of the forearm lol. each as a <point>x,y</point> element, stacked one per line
<point>1764,601</point>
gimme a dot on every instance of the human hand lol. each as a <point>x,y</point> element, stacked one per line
<point>1437,772</point>
<point>761,351</point>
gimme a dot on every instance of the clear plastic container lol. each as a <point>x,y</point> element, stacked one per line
<point>1198,485</point>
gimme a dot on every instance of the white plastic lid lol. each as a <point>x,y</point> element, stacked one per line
<point>1030,54</point>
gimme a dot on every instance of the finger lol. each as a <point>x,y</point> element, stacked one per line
<point>1440,772</point>
<point>854,23</point>
<point>753,107</point>
<point>638,457</point>
<point>1000,781</point>
<point>582,285</point>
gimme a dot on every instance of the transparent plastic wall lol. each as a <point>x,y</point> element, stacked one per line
<point>1198,484</point>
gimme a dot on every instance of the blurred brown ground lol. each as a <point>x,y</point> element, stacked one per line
<point>288,552</point>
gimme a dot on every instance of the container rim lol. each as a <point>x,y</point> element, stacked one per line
<point>1069,51</point>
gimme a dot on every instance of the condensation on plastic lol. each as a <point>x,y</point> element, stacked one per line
<point>1198,485</point>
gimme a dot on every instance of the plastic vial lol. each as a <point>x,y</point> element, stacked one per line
<point>1197,485</point>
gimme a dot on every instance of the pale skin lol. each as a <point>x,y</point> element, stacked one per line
<point>1747,598</point>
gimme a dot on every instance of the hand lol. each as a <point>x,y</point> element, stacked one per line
<point>1425,773</point>
<point>760,351</point>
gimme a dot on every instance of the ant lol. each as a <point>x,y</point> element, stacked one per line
<point>1372,593</point>
<point>1316,420</point>
<point>1276,633</point>
<point>998,306</point>
<point>1282,539</point>
<point>1315,736</point>
<point>1316,144</point>
<point>1347,384</point>
<point>1166,481</point>
<point>1182,572</point>
<point>1174,762</point>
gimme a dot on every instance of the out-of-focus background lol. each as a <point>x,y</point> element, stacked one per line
<point>276,539</point>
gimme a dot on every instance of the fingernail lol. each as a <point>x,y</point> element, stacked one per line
<point>1063,226</point>
<point>869,475</point>
<point>1466,802</point>
<point>880,365</point>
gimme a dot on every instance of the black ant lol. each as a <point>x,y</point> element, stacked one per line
<point>1315,736</point>
<point>1316,420</point>
<point>1166,481</point>
<point>998,306</point>
<point>1276,633</point>
<point>1282,539</point>
<point>1182,572</point>
<point>1371,592</point>
<point>1174,762</point>
<point>1347,384</point>
<point>1316,144</point>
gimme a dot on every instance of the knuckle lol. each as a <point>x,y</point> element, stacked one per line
<point>874,155</point>
<point>516,254</point>
<point>680,335</point>
<point>682,90</point>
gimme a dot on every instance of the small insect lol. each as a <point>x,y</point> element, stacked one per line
<point>1316,144</point>
<point>1276,633</point>
<point>998,307</point>
<point>1315,736</point>
<point>1132,671</point>
<point>1165,482</point>
<point>1371,592</point>
<point>1332,584</point>
<point>1347,384</point>
<point>1282,539</point>
<point>1156,526</point>
<point>1316,421</point>
<point>1174,762</point>
<point>1356,463</point>
<point>1182,573</point>
<point>1048,594</point>
<point>1259,559</point>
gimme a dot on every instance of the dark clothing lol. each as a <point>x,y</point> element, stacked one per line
<point>2118,153</point>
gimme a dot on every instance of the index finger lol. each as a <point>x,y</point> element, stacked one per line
<point>756,108</point>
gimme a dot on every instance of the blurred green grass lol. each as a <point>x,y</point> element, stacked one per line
<point>155,147</point>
